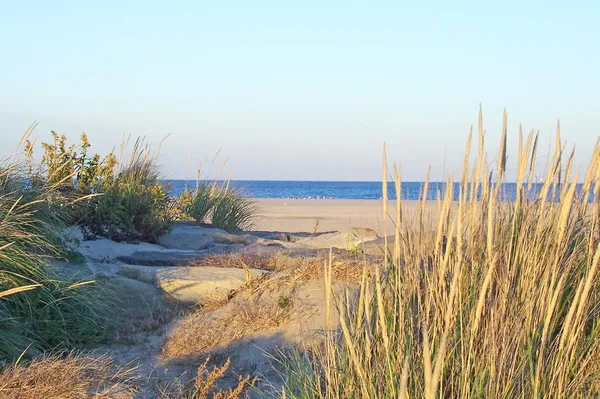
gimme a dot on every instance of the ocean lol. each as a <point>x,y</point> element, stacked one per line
<point>342,189</point>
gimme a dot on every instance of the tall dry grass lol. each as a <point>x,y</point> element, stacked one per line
<point>69,375</point>
<point>502,302</point>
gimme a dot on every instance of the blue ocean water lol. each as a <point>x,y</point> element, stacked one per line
<point>342,189</point>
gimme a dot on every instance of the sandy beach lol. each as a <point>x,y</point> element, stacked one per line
<point>301,215</point>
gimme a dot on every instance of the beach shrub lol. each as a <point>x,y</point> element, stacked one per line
<point>233,212</point>
<point>136,207</point>
<point>491,299</point>
<point>128,204</point>
<point>130,213</point>
<point>70,167</point>
<point>71,173</point>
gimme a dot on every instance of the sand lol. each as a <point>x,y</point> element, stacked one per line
<point>302,215</point>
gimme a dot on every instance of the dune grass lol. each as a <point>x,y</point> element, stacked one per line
<point>220,205</point>
<point>42,311</point>
<point>503,303</point>
<point>199,203</point>
<point>233,212</point>
<point>485,299</point>
<point>215,202</point>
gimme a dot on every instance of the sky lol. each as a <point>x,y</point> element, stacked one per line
<point>305,90</point>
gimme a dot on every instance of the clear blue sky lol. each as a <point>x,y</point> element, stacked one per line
<point>303,91</point>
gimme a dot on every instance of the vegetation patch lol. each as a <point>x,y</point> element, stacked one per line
<point>233,212</point>
<point>42,311</point>
<point>220,205</point>
<point>203,331</point>
<point>134,206</point>
<point>506,308</point>
<point>67,376</point>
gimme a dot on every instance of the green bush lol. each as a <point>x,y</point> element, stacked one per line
<point>70,167</point>
<point>70,173</point>
<point>125,205</point>
<point>135,207</point>
<point>129,213</point>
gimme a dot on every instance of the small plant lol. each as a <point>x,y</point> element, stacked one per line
<point>316,228</point>
<point>66,248</point>
<point>284,301</point>
<point>206,383</point>
<point>72,255</point>
<point>355,251</point>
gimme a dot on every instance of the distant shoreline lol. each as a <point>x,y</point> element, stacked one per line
<point>295,190</point>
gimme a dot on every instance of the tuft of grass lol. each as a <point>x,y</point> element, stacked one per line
<point>215,202</point>
<point>355,251</point>
<point>316,228</point>
<point>199,203</point>
<point>503,302</point>
<point>212,381</point>
<point>233,212</point>
<point>70,376</point>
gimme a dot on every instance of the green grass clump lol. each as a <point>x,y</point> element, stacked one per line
<point>233,212</point>
<point>42,311</point>
<point>487,299</point>
<point>221,206</point>
<point>71,255</point>
<point>199,203</point>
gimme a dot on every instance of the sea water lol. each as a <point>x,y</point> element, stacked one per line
<point>346,189</point>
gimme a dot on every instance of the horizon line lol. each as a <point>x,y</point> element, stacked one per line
<point>337,181</point>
